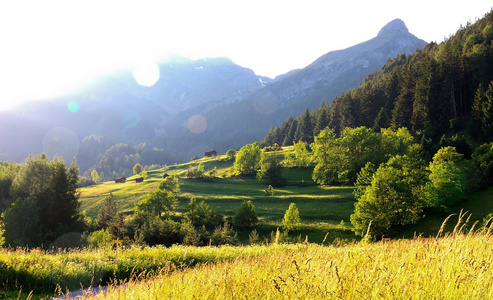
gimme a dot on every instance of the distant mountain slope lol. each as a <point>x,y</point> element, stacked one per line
<point>115,104</point>
<point>196,105</point>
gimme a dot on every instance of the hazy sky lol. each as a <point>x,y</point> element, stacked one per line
<point>49,47</point>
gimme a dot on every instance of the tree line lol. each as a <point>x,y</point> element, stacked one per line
<point>111,158</point>
<point>40,208</point>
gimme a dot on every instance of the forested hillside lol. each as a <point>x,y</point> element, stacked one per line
<point>442,93</point>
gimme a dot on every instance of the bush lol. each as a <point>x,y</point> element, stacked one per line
<point>100,238</point>
<point>245,217</point>
<point>224,235</point>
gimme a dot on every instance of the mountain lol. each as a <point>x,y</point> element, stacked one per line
<point>196,105</point>
<point>114,104</point>
<point>235,124</point>
<point>442,93</point>
<point>338,71</point>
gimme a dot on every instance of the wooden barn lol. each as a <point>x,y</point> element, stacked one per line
<point>120,180</point>
<point>210,153</point>
<point>139,179</point>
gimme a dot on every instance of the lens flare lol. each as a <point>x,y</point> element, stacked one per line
<point>73,106</point>
<point>197,124</point>
<point>130,118</point>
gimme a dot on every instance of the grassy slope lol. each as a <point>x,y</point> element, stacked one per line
<point>455,267</point>
<point>321,208</point>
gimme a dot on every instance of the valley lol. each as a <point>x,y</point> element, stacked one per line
<point>374,180</point>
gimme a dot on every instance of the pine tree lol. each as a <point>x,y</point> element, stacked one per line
<point>403,109</point>
<point>482,111</point>
<point>286,125</point>
<point>107,212</point>
<point>304,130</point>
<point>381,121</point>
<point>289,139</point>
<point>322,120</point>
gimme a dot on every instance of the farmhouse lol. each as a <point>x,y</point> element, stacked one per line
<point>210,153</point>
<point>139,179</point>
<point>120,180</point>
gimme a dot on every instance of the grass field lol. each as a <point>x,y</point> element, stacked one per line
<point>47,273</point>
<point>455,267</point>
<point>321,208</point>
<point>416,268</point>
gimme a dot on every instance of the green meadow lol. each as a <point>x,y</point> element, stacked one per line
<point>324,211</point>
<point>322,208</point>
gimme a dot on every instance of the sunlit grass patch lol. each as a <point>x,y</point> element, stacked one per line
<point>454,267</point>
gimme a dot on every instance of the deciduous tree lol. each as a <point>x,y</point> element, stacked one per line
<point>395,197</point>
<point>329,156</point>
<point>300,157</point>
<point>271,171</point>
<point>137,168</point>
<point>447,183</point>
<point>95,176</point>
<point>248,159</point>
<point>21,223</point>
<point>230,154</point>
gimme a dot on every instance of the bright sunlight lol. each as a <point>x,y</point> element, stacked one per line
<point>146,74</point>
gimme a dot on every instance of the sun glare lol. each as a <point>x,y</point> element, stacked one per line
<point>146,74</point>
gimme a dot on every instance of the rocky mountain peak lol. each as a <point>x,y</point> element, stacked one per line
<point>394,26</point>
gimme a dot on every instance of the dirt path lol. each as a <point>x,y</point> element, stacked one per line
<point>82,294</point>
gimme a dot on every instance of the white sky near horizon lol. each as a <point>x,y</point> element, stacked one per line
<point>49,48</point>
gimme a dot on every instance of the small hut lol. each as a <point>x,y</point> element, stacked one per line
<point>139,179</point>
<point>165,175</point>
<point>120,180</point>
<point>210,153</point>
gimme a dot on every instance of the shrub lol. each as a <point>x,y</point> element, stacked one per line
<point>230,154</point>
<point>100,238</point>
<point>245,217</point>
<point>224,235</point>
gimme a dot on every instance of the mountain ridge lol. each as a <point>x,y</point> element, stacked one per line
<point>238,106</point>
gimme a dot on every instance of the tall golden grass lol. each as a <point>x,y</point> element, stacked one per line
<point>454,266</point>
